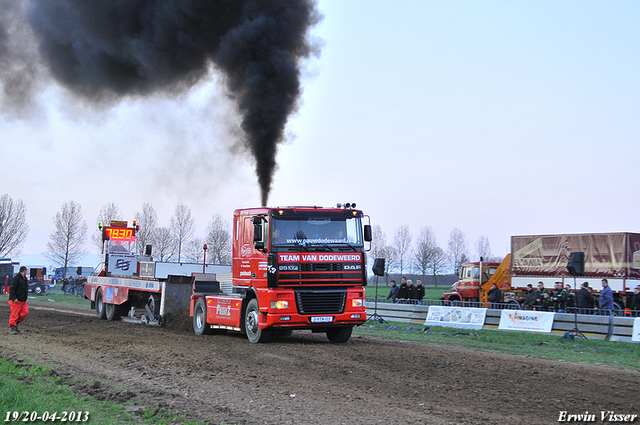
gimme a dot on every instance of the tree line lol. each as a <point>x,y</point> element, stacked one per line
<point>177,242</point>
<point>425,257</point>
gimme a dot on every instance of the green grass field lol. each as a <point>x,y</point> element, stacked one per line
<point>39,391</point>
<point>620,355</point>
<point>55,296</point>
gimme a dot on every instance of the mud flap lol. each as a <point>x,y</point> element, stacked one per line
<point>175,300</point>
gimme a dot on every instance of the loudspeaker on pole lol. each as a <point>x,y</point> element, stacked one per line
<point>576,264</point>
<point>378,267</point>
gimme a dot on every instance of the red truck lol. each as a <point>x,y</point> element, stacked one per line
<point>293,268</point>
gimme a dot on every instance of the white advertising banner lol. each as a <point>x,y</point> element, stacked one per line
<point>635,336</point>
<point>456,317</point>
<point>526,320</point>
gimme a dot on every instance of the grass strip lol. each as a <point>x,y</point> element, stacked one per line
<point>26,388</point>
<point>620,355</point>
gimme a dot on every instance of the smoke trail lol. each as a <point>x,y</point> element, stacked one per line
<point>106,50</point>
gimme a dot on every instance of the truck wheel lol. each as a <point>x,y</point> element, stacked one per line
<point>618,310</point>
<point>100,305</point>
<point>339,335</point>
<point>513,305</point>
<point>200,326</point>
<point>112,311</point>
<point>38,290</point>
<point>154,304</point>
<point>251,318</point>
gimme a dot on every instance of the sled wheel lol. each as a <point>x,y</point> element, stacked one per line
<point>112,311</point>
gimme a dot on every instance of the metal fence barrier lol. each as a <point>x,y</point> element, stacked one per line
<point>611,327</point>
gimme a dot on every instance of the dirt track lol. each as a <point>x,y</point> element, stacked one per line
<point>303,379</point>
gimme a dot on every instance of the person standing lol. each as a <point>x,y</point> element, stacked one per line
<point>403,292</point>
<point>559,298</point>
<point>584,299</point>
<point>393,294</point>
<point>6,284</point>
<point>18,292</point>
<point>495,296</point>
<point>418,292</point>
<point>635,302</point>
<point>571,298</point>
<point>605,303</point>
<point>411,290</point>
<point>532,298</point>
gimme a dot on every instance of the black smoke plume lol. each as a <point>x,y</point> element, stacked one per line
<point>105,50</point>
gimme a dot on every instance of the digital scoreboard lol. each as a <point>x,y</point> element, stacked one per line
<point>119,233</point>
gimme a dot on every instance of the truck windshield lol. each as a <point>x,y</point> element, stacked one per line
<point>330,232</point>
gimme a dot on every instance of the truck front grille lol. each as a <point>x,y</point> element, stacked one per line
<point>321,302</point>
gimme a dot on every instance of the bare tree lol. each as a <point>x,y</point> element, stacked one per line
<point>107,213</point>
<point>380,249</point>
<point>428,256</point>
<point>457,249</point>
<point>218,241</point>
<point>194,251</point>
<point>483,248</point>
<point>402,245</point>
<point>379,240</point>
<point>164,244</point>
<point>182,227</point>
<point>13,226</point>
<point>67,241</point>
<point>148,222</point>
<point>437,264</point>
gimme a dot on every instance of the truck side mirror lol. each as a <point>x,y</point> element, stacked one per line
<point>257,233</point>
<point>258,243</point>
<point>367,233</point>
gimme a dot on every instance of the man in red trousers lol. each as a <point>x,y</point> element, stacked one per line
<point>18,292</point>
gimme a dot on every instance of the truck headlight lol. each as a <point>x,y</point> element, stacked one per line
<point>357,302</point>
<point>279,305</point>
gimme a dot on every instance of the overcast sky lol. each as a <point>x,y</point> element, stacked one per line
<point>496,118</point>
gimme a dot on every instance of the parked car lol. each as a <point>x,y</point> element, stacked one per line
<point>37,287</point>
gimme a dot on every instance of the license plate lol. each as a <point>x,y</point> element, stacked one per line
<point>322,319</point>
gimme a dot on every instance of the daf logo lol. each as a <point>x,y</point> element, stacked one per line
<point>352,266</point>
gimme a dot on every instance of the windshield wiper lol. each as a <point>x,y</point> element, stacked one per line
<point>349,245</point>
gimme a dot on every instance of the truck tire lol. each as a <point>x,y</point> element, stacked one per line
<point>200,326</point>
<point>251,318</point>
<point>38,289</point>
<point>100,312</point>
<point>112,311</point>
<point>339,335</point>
<point>154,304</point>
<point>513,305</point>
<point>618,310</point>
